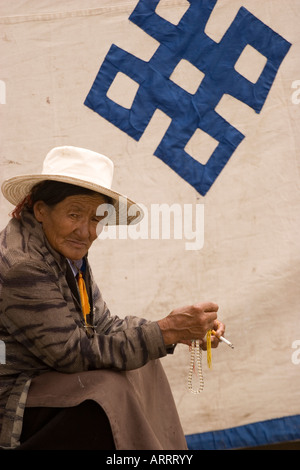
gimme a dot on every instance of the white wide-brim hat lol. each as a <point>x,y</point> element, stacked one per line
<point>80,167</point>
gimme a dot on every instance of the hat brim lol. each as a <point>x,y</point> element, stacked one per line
<point>126,211</point>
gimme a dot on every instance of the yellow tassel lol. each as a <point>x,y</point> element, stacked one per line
<point>208,342</point>
<point>83,297</point>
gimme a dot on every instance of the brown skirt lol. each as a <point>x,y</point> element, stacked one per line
<point>135,407</point>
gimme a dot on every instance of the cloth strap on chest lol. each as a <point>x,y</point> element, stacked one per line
<point>85,304</point>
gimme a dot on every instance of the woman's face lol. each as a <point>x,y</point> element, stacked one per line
<point>71,225</point>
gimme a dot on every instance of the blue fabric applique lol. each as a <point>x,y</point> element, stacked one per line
<point>189,112</point>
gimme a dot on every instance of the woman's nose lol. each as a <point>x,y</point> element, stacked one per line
<point>83,230</point>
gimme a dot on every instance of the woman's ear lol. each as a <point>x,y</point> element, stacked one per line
<point>39,211</point>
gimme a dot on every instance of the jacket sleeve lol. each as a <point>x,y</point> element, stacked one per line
<point>36,314</point>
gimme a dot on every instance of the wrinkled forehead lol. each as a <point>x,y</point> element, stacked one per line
<point>84,203</point>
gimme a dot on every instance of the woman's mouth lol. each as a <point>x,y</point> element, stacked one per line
<point>77,244</point>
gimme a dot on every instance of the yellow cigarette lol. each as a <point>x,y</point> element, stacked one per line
<point>224,340</point>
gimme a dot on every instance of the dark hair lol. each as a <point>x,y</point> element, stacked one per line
<point>51,193</point>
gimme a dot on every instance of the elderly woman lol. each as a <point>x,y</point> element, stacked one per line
<point>75,376</point>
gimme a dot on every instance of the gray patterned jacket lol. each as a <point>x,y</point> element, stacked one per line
<point>42,326</point>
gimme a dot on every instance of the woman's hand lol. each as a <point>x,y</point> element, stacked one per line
<point>184,324</point>
<point>219,330</point>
